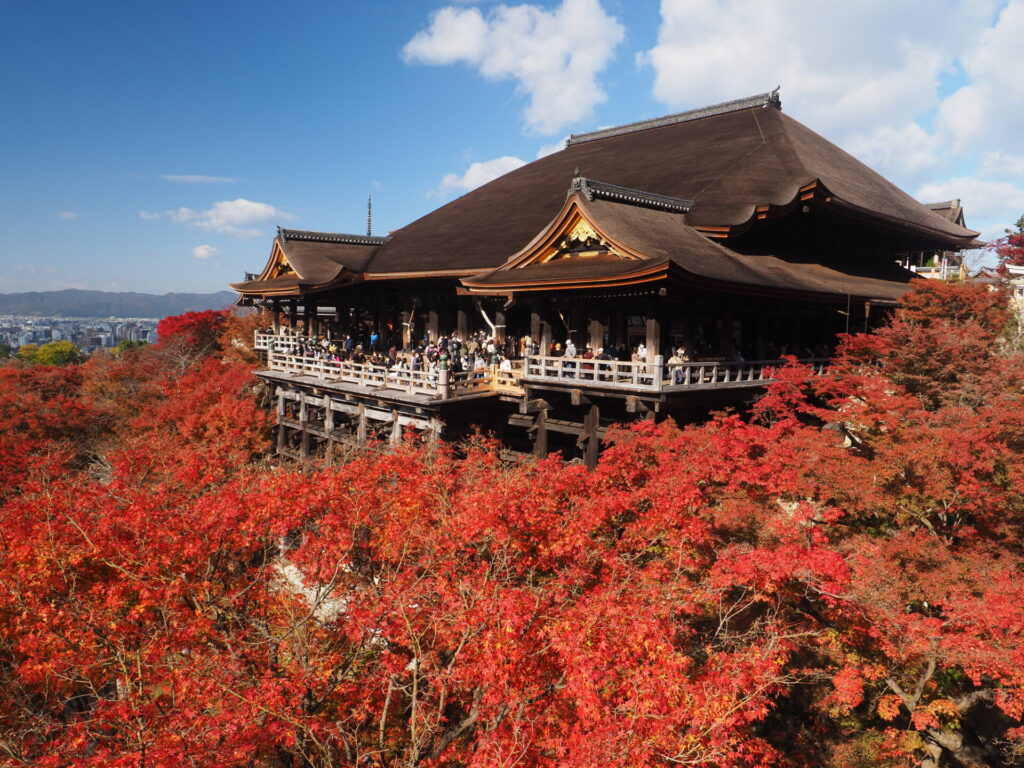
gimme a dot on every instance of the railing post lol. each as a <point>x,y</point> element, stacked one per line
<point>442,383</point>
<point>659,368</point>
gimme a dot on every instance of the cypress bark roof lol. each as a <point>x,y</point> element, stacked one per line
<point>667,245</point>
<point>728,160</point>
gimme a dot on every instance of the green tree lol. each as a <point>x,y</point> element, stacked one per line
<point>27,352</point>
<point>57,353</point>
<point>127,344</point>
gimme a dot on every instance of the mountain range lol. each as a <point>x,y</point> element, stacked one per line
<point>75,303</point>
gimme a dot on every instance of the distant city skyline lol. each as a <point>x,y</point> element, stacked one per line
<point>153,147</point>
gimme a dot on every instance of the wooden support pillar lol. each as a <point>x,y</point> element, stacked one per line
<point>303,424</point>
<point>433,326</point>
<point>545,337</point>
<point>275,310</point>
<point>653,340</point>
<point>499,326</point>
<point>293,313</point>
<point>282,434</point>
<point>396,428</point>
<point>406,329</point>
<point>540,437</point>
<point>592,443</point>
<point>328,416</point>
<point>596,335</point>
<point>434,433</point>
<point>535,327</point>
<point>361,424</point>
<point>461,320</point>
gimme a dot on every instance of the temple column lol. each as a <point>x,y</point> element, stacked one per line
<point>406,329</point>
<point>293,313</point>
<point>275,309</point>
<point>596,335</point>
<point>499,326</point>
<point>433,326</point>
<point>461,319</point>
<point>653,340</point>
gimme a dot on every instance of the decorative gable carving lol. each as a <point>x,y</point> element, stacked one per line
<point>577,238</point>
<point>279,264</point>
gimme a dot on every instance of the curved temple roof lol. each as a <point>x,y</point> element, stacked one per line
<point>723,167</point>
<point>729,160</point>
<point>641,242</point>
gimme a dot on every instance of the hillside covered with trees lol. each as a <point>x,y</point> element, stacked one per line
<point>78,303</point>
<point>834,579</point>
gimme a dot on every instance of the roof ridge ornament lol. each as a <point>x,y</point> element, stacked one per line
<point>593,190</point>
<point>763,100</point>
<point>329,237</point>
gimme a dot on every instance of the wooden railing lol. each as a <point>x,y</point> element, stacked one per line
<point>655,376</point>
<point>278,342</point>
<point>711,375</point>
<point>441,384</point>
<point>606,374</point>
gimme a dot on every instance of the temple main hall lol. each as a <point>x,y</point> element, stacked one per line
<point>651,270</point>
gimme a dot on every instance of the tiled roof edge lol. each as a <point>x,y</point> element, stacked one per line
<point>769,99</point>
<point>329,237</point>
<point>601,190</point>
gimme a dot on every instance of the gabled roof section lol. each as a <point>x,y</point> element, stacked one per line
<point>762,100</point>
<point>302,260</point>
<point>951,210</point>
<point>628,244</point>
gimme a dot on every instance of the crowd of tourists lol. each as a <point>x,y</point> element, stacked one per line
<point>477,352</point>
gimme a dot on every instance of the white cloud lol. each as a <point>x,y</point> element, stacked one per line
<point>1001,165</point>
<point>205,252</point>
<point>906,150</point>
<point>845,68</point>
<point>149,215</point>
<point>230,217</point>
<point>194,178</point>
<point>990,108</point>
<point>476,175</point>
<point>67,215</point>
<point>554,56</point>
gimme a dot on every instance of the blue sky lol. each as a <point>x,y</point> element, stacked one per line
<point>154,146</point>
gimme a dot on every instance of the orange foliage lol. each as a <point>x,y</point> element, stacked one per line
<point>833,583</point>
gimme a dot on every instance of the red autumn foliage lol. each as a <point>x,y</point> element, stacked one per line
<point>194,332</point>
<point>832,583</point>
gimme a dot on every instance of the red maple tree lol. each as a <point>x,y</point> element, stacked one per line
<point>834,581</point>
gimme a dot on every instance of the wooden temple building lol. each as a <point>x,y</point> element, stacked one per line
<point>731,232</point>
